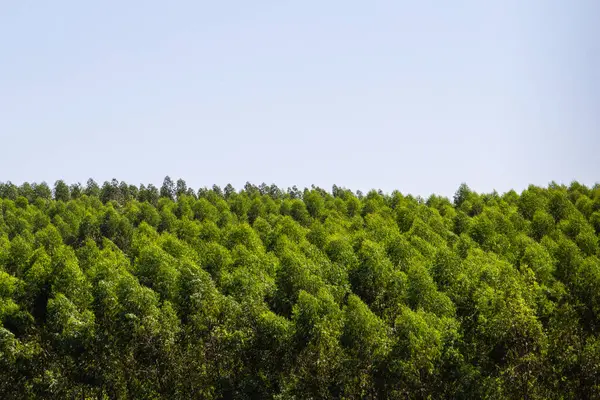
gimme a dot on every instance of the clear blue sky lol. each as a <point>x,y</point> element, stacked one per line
<point>411,95</point>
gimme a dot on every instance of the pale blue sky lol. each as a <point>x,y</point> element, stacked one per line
<point>411,95</point>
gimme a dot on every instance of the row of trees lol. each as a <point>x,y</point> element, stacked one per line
<point>118,291</point>
<point>121,192</point>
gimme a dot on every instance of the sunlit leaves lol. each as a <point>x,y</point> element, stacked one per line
<point>122,291</point>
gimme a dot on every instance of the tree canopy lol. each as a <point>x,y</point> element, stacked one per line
<point>119,291</point>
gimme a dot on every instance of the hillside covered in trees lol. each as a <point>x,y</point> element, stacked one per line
<point>118,291</point>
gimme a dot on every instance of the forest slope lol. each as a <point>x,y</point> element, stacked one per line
<point>121,291</point>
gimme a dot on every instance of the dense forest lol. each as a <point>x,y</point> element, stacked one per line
<point>119,291</point>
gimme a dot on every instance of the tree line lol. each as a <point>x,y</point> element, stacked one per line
<point>119,291</point>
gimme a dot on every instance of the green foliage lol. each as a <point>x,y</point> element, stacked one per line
<point>118,291</point>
